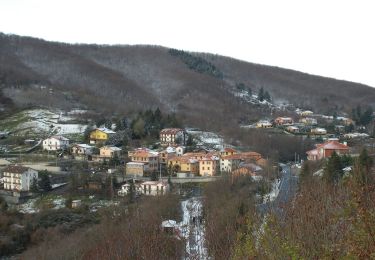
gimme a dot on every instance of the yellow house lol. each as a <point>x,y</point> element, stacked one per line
<point>209,166</point>
<point>100,135</point>
<point>184,164</point>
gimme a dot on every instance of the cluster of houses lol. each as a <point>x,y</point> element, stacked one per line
<point>307,123</point>
<point>98,137</point>
<point>171,157</point>
<point>189,164</point>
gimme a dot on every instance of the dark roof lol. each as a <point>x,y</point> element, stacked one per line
<point>14,168</point>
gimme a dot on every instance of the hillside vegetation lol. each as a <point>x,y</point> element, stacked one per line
<point>125,79</point>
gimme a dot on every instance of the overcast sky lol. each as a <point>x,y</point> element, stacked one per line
<point>324,37</point>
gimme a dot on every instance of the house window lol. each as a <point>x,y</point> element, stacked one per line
<point>208,168</point>
<point>203,168</point>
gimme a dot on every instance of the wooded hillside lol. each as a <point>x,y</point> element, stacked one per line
<point>129,78</point>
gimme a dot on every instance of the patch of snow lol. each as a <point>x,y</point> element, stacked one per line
<point>274,191</point>
<point>56,185</point>
<point>193,230</point>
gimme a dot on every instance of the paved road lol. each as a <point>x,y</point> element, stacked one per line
<point>287,190</point>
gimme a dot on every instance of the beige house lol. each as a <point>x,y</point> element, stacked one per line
<point>109,151</point>
<point>135,168</point>
<point>18,178</point>
<point>308,121</point>
<point>209,166</point>
<point>318,131</point>
<point>146,156</point>
<point>82,149</point>
<point>231,162</point>
<point>292,129</point>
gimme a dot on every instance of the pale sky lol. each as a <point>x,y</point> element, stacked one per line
<point>334,38</point>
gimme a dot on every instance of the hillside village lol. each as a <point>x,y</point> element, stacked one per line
<point>68,161</point>
<point>176,153</point>
<point>68,170</point>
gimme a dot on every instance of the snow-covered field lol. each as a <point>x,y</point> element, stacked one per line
<point>31,206</point>
<point>207,138</point>
<point>44,121</point>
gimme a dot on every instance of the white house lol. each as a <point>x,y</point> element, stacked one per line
<point>172,136</point>
<point>125,189</point>
<point>264,124</point>
<point>180,150</point>
<point>319,131</point>
<point>154,188</point>
<point>230,162</point>
<point>19,178</point>
<point>55,143</point>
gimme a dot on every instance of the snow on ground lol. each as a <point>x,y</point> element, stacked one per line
<point>207,138</point>
<point>192,229</point>
<point>58,202</point>
<point>29,207</point>
<point>274,191</point>
<point>42,120</point>
<point>56,185</point>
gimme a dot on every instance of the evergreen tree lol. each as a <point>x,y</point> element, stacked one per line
<point>86,133</point>
<point>45,182</point>
<point>333,169</point>
<point>364,164</point>
<point>267,96</point>
<point>131,192</point>
<point>114,161</point>
<point>346,160</point>
<point>139,128</point>
<point>249,92</point>
<point>305,170</point>
<point>261,94</point>
<point>3,205</point>
<point>240,86</point>
<point>34,185</point>
<point>366,117</point>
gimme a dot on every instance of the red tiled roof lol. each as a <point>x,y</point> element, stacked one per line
<point>170,130</point>
<point>333,145</point>
<point>228,150</point>
<point>239,156</point>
